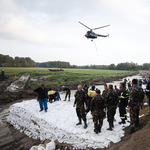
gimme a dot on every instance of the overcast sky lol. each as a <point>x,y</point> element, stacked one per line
<point>48,30</point>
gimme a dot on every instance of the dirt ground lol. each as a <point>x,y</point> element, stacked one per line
<point>12,139</point>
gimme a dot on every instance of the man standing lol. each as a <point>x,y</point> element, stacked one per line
<point>42,96</point>
<point>105,91</point>
<point>97,109</point>
<point>68,93</point>
<point>104,94</point>
<point>90,95</point>
<point>122,103</point>
<point>80,99</point>
<point>148,91</point>
<point>136,97</point>
<point>116,90</point>
<point>111,104</point>
<point>85,88</point>
<point>2,72</point>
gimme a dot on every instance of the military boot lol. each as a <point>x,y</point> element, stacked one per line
<point>110,126</point>
<point>125,117</point>
<point>99,129</point>
<point>80,122</point>
<point>85,125</point>
<point>131,131</point>
<point>96,131</point>
<point>122,121</point>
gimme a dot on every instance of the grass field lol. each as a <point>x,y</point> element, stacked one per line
<point>9,71</point>
<point>63,76</point>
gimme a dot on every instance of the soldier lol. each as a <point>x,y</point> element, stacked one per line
<point>68,92</point>
<point>148,90</point>
<point>97,106</point>
<point>105,91</point>
<point>85,88</point>
<point>80,99</point>
<point>104,94</point>
<point>122,102</point>
<point>116,90</point>
<point>137,96</point>
<point>111,103</point>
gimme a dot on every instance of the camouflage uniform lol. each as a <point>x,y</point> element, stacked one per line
<point>80,99</point>
<point>97,106</point>
<point>104,94</point>
<point>136,97</point>
<point>111,103</point>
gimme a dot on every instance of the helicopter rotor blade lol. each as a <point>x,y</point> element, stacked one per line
<point>100,27</point>
<point>84,25</point>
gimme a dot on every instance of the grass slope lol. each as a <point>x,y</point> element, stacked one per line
<point>10,71</point>
<point>67,75</point>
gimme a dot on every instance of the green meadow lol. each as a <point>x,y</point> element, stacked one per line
<point>67,75</point>
<point>10,71</point>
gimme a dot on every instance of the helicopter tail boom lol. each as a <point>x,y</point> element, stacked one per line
<point>103,35</point>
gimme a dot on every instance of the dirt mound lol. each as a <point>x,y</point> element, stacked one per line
<point>7,97</point>
<point>4,84</point>
<point>99,81</point>
<point>138,140</point>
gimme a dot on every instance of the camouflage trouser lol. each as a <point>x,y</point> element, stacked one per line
<point>89,104</point>
<point>134,116</point>
<point>98,119</point>
<point>111,111</point>
<point>80,110</point>
<point>67,94</point>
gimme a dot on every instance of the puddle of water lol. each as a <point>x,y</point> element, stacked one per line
<point>101,87</point>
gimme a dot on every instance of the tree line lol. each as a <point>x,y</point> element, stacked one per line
<point>53,64</point>
<point>7,61</point>
<point>120,66</point>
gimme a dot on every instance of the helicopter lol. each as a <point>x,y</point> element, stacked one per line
<point>91,35</point>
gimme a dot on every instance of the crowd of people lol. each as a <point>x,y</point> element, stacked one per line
<point>101,104</point>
